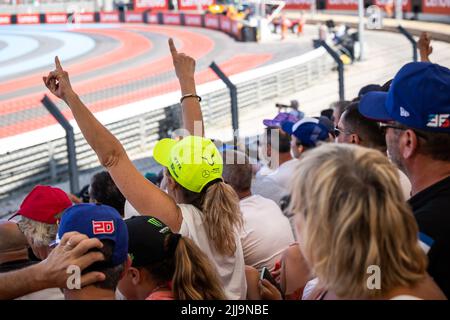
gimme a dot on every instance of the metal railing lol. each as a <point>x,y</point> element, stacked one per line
<point>35,158</point>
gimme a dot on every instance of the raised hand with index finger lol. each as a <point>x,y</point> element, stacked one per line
<point>58,81</point>
<point>184,64</point>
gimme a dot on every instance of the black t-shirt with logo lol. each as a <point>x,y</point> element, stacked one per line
<point>431,208</point>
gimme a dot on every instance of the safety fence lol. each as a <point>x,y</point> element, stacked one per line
<point>40,156</point>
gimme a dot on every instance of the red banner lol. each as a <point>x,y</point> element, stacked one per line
<point>436,6</point>
<point>131,16</point>
<point>5,19</point>
<point>298,4</point>
<point>55,18</point>
<point>193,4</point>
<point>142,5</point>
<point>225,24</point>
<point>109,17</point>
<point>171,19</point>
<point>28,18</point>
<point>152,18</point>
<point>194,20</point>
<point>211,21</point>
<point>342,4</point>
<point>86,17</point>
<point>406,4</point>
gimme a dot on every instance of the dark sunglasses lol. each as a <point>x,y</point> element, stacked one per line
<point>338,131</point>
<point>385,126</point>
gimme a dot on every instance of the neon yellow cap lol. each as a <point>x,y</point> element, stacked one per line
<point>193,161</point>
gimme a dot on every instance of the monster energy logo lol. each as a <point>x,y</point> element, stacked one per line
<point>155,222</point>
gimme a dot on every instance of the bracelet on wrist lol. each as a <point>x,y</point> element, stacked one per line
<point>190,95</point>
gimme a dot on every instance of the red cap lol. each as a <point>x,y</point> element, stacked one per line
<point>43,203</point>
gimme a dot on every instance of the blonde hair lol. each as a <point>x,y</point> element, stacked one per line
<point>222,217</point>
<point>39,233</point>
<point>352,215</point>
<point>195,278</point>
<point>189,270</point>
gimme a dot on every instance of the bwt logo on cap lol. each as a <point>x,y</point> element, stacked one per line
<point>102,227</point>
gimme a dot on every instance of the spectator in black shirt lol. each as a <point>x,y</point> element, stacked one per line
<point>416,118</point>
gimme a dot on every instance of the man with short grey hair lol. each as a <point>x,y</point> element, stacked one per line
<point>39,213</point>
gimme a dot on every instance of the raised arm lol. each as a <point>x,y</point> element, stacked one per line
<point>424,47</point>
<point>190,107</point>
<point>142,194</point>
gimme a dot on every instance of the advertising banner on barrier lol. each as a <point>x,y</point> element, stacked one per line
<point>194,4</point>
<point>142,5</point>
<point>406,4</point>
<point>172,19</point>
<point>436,6</point>
<point>194,20</point>
<point>298,4</point>
<point>131,16</point>
<point>5,19</point>
<point>225,24</point>
<point>152,18</point>
<point>109,17</point>
<point>211,21</point>
<point>342,4</point>
<point>28,18</point>
<point>85,17</point>
<point>56,18</point>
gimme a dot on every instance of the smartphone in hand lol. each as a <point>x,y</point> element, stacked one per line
<point>265,274</point>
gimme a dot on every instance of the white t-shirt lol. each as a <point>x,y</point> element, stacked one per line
<point>45,294</point>
<point>231,269</point>
<point>275,185</point>
<point>405,297</point>
<point>266,233</point>
<point>283,174</point>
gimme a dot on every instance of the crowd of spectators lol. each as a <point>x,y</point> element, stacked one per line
<point>352,204</point>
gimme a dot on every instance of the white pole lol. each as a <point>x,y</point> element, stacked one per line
<point>361,28</point>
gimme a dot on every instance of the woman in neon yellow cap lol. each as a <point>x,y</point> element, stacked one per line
<point>205,209</point>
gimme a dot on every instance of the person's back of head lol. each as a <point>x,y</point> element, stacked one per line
<point>282,144</point>
<point>338,108</point>
<point>194,170</point>
<point>237,171</point>
<point>355,128</point>
<point>352,219</point>
<point>163,261</point>
<point>105,223</point>
<point>103,190</point>
<point>13,244</point>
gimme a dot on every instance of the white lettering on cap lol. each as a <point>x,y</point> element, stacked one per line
<point>403,112</point>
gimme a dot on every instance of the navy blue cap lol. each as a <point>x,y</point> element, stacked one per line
<point>308,130</point>
<point>98,221</point>
<point>369,88</point>
<point>419,97</point>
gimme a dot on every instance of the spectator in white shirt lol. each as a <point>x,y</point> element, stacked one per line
<point>266,232</point>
